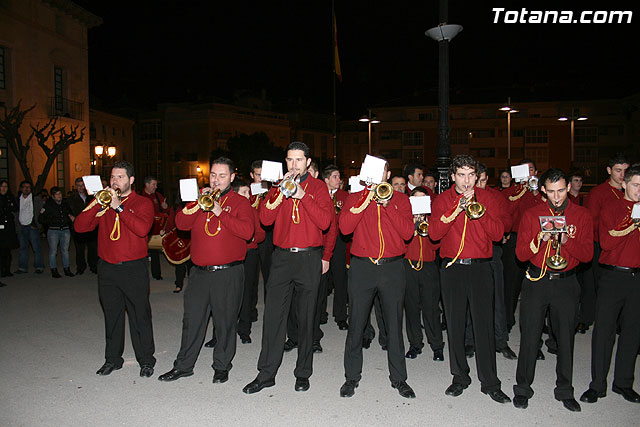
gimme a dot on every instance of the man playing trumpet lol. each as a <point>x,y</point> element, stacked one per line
<point>551,284</point>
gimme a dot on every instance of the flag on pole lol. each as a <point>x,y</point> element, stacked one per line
<point>336,57</point>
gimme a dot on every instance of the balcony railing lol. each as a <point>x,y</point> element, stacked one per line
<point>62,107</point>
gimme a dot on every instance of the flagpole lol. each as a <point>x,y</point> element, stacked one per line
<point>333,79</point>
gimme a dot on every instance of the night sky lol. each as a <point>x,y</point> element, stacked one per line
<point>150,52</point>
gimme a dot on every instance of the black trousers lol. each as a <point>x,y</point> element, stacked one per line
<point>181,271</point>
<point>265,251</point>
<point>5,261</point>
<point>126,287</point>
<point>514,271</point>
<point>369,331</point>
<point>560,297</point>
<point>90,244</point>
<point>338,270</point>
<point>156,273</point>
<point>292,322</point>
<point>366,280</point>
<point>300,271</point>
<point>618,302</point>
<point>250,294</point>
<point>590,274</point>
<point>422,295</point>
<point>470,286</point>
<point>219,293</point>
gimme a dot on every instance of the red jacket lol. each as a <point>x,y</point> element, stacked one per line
<point>156,198</point>
<point>623,247</point>
<point>421,249</point>
<point>504,212</point>
<point>600,197</point>
<point>126,240</point>
<point>258,232</point>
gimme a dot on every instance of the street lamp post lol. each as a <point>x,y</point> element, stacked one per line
<point>575,115</point>
<point>509,109</point>
<point>371,120</point>
<point>102,151</point>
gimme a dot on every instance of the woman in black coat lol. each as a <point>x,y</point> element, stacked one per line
<point>8,236</point>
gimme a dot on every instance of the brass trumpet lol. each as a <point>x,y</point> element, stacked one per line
<point>422,227</point>
<point>207,201</point>
<point>557,261</point>
<point>288,186</point>
<point>103,197</point>
<point>532,183</point>
<point>382,192</point>
<point>472,208</point>
<point>337,205</point>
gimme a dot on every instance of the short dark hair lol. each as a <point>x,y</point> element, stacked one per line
<point>576,173</point>
<point>481,168</point>
<point>505,170</point>
<point>619,159</point>
<point>462,161</point>
<point>327,171</point>
<point>631,172</point>
<point>313,165</point>
<point>553,175</point>
<point>224,161</point>
<point>525,161</point>
<point>123,164</point>
<point>419,190</point>
<point>410,169</point>
<point>149,178</point>
<point>55,189</point>
<point>237,183</point>
<point>78,179</point>
<point>398,176</point>
<point>431,174</point>
<point>256,164</point>
<point>26,181</point>
<point>297,145</point>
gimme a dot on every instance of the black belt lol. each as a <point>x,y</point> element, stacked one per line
<point>58,228</point>
<point>218,267</point>
<point>629,270</point>
<point>535,271</point>
<point>467,261</point>
<point>296,250</point>
<point>379,261</point>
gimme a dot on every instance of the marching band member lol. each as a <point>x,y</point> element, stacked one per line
<point>618,300</point>
<point>551,284</point>
<point>123,275</point>
<point>265,249</point>
<point>220,230</point>
<point>299,221</point>
<point>160,207</point>
<point>466,220</point>
<point>380,230</point>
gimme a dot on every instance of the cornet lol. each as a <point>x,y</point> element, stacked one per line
<point>103,197</point>
<point>288,186</point>
<point>532,183</point>
<point>557,261</point>
<point>422,227</point>
<point>472,208</point>
<point>382,192</point>
<point>206,201</point>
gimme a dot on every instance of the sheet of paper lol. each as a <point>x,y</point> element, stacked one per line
<point>635,213</point>
<point>93,183</point>
<point>372,170</point>
<point>271,171</point>
<point>355,185</point>
<point>420,204</point>
<point>189,189</point>
<point>520,172</point>
<point>259,188</point>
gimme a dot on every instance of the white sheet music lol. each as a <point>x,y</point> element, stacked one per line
<point>93,183</point>
<point>189,190</point>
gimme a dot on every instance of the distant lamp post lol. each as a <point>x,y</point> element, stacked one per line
<point>199,173</point>
<point>101,152</point>
<point>372,120</point>
<point>575,115</point>
<point>509,109</point>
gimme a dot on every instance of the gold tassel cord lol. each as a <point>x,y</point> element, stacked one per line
<point>276,203</point>
<point>380,240</point>
<point>519,195</point>
<point>363,206</point>
<point>624,232</point>
<point>419,264</point>
<point>116,229</point>
<point>464,233</point>
<point>206,223</point>
<point>543,270</point>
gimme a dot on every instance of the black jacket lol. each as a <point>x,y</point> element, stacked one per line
<point>56,215</point>
<point>8,237</point>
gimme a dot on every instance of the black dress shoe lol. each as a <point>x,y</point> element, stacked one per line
<point>107,368</point>
<point>55,274</point>
<point>520,402</point>
<point>255,386</point>
<point>302,384</point>
<point>455,390</point>
<point>469,351</point>
<point>146,371</point>
<point>212,343</point>
<point>507,353</point>
<point>2,285</point>
<point>80,271</point>
<point>157,277</point>
<point>404,389</point>
<point>498,396</point>
<point>438,355</point>
<point>324,318</point>
<point>174,374</point>
<point>39,270</point>
<point>68,273</point>
<point>413,353</point>
<point>317,348</point>
<point>220,376</point>
<point>628,393</point>
<point>571,405</point>
<point>94,270</point>
<point>20,272</point>
<point>591,396</point>
<point>349,387</point>
<point>582,328</point>
<point>552,350</point>
<point>289,345</point>
<point>343,325</point>
<point>540,355</point>
<point>384,347</point>
<point>245,339</point>
<point>366,342</point>
<point>177,290</point>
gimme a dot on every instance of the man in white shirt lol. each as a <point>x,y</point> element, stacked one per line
<point>29,208</point>
<point>415,174</point>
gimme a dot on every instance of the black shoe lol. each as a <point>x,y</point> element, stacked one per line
<point>582,328</point>
<point>174,374</point>
<point>146,371</point>
<point>220,376</point>
<point>443,325</point>
<point>366,342</point>
<point>571,405</point>
<point>2,285</point>
<point>302,384</point>
<point>349,387</point>
<point>552,350</point>
<point>413,353</point>
<point>94,270</point>
<point>507,353</point>
<point>343,325</point>
<point>177,290</point>
<point>317,348</point>
<point>68,273</point>
<point>212,343</point>
<point>20,271</point>
<point>384,347</point>
<point>289,345</point>
<point>469,351</point>
<point>255,386</point>
<point>39,270</point>
<point>324,318</point>
<point>591,396</point>
<point>55,274</point>
<point>404,389</point>
<point>455,390</point>
<point>498,396</point>
<point>628,393</point>
<point>540,355</point>
<point>80,271</point>
<point>107,368</point>
<point>157,277</point>
<point>245,339</point>
<point>438,355</point>
<point>520,402</point>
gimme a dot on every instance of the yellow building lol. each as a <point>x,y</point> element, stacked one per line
<point>44,61</point>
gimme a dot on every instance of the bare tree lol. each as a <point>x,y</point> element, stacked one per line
<point>52,139</point>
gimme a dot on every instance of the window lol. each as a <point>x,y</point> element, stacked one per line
<point>412,156</point>
<point>58,89</point>
<point>149,130</point>
<point>124,134</point>
<point>611,130</point>
<point>483,133</point>
<point>92,131</point>
<point>538,155</point>
<point>587,155</point>
<point>413,139</point>
<point>390,134</point>
<point>483,152</point>
<point>459,136</point>
<point>4,162</point>
<point>586,135</point>
<point>536,136</point>
<point>425,116</point>
<point>3,61</point>
<point>60,170</point>
<point>113,131</point>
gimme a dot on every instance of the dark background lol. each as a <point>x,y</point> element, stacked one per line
<point>150,52</point>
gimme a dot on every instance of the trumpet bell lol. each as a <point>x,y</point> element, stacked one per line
<point>382,192</point>
<point>475,210</point>
<point>103,197</point>
<point>288,187</point>
<point>207,201</point>
<point>422,228</point>
<point>557,262</point>
<point>533,183</point>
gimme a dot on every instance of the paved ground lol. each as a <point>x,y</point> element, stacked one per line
<point>52,344</point>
